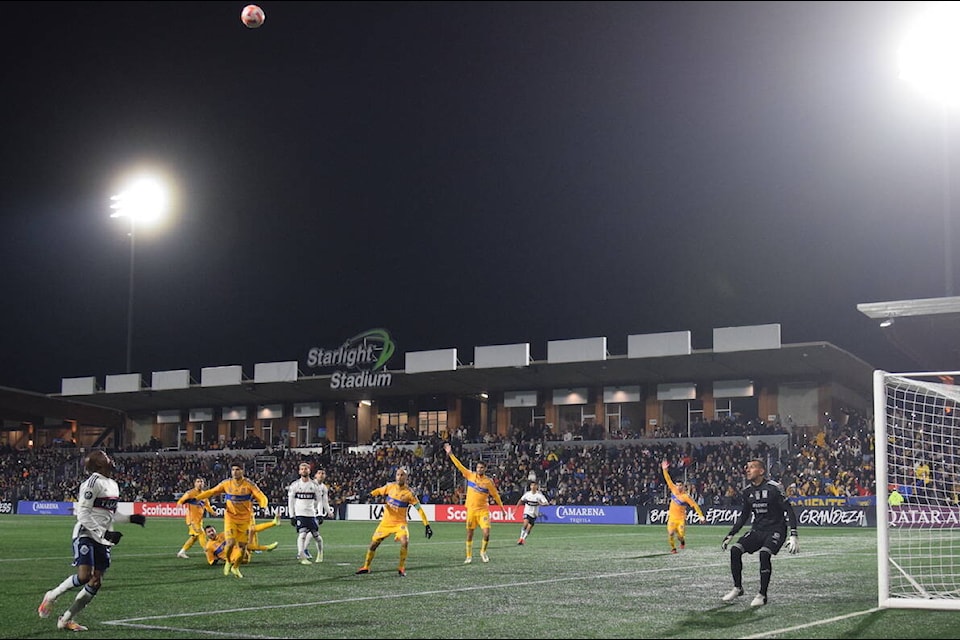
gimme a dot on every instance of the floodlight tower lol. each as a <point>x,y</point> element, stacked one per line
<point>143,202</point>
<point>929,59</point>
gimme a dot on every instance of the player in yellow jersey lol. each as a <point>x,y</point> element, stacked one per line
<point>394,520</point>
<point>480,489</point>
<point>214,544</point>
<point>194,517</point>
<point>677,517</point>
<point>239,494</point>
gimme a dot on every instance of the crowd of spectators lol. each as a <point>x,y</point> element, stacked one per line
<point>837,461</point>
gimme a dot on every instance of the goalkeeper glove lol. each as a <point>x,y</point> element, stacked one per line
<point>428,531</point>
<point>726,542</point>
<point>112,536</point>
<point>138,519</point>
<point>793,543</point>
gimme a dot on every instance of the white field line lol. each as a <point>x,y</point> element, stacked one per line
<point>138,622</point>
<point>775,632</point>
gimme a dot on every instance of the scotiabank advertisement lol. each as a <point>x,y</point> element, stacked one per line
<point>458,513</point>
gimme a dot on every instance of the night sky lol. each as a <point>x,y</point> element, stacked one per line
<point>460,174</point>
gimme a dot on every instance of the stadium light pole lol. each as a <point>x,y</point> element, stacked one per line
<point>929,59</point>
<point>143,202</point>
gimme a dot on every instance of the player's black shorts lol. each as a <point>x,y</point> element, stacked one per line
<point>307,523</point>
<point>756,540</point>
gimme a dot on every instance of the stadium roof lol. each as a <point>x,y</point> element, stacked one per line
<point>927,330</point>
<point>816,361</point>
<point>17,405</point>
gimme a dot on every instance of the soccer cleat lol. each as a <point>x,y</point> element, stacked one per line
<point>520,541</point>
<point>319,557</point>
<point>276,519</point>
<point>683,545</point>
<point>304,561</point>
<point>69,625</point>
<point>182,554</point>
<point>235,570</point>
<point>468,561</point>
<point>226,568</point>
<point>759,600</point>
<point>271,546</point>
<point>732,595</point>
<point>402,573</point>
<point>44,609</point>
<point>306,554</point>
<point>484,557</point>
<point>362,570</point>
<point>673,550</point>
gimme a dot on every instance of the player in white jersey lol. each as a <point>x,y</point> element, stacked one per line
<point>326,509</point>
<point>532,500</point>
<point>306,504</point>
<point>93,536</point>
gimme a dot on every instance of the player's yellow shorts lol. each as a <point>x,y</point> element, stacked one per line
<point>196,529</point>
<point>478,518</point>
<point>238,530</point>
<point>399,531</point>
<point>677,525</point>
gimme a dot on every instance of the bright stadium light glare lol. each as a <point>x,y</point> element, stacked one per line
<point>145,202</point>
<point>929,56</point>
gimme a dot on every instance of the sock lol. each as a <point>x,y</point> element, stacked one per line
<point>736,566</point>
<point>85,596</point>
<point>369,558</point>
<point>483,546</point>
<point>470,549</point>
<point>673,545</point>
<point>70,583</point>
<point>403,558</point>
<point>301,543</point>
<point>318,540</point>
<point>766,570</point>
<point>188,543</point>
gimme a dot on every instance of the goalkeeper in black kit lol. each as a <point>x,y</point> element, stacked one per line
<point>772,512</point>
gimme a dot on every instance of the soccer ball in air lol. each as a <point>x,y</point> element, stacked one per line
<point>252,16</point>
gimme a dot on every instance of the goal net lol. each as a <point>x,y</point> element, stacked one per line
<point>917,434</point>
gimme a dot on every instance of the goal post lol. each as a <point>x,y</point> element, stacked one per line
<point>917,449</point>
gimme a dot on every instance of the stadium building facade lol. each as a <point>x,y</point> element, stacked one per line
<point>357,393</point>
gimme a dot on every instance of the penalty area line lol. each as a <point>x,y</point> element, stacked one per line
<point>808,625</point>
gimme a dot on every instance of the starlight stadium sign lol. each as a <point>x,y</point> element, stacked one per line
<point>359,361</point>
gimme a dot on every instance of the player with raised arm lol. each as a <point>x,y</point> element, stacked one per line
<point>93,537</point>
<point>479,490</point>
<point>394,520</point>
<point>531,500</point>
<point>194,515</point>
<point>677,515</point>
<point>772,512</point>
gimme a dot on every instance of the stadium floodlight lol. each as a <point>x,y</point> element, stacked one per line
<point>917,430</point>
<point>929,55</point>
<point>143,202</point>
<point>929,59</point>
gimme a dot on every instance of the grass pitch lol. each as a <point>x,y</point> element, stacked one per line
<point>568,581</point>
